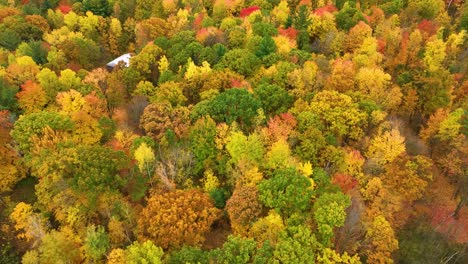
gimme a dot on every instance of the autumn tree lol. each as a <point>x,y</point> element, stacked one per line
<point>386,147</point>
<point>10,169</point>
<point>159,117</point>
<point>30,226</point>
<point>60,246</point>
<point>176,218</point>
<point>244,148</point>
<point>342,76</point>
<point>382,241</point>
<point>145,252</point>
<point>339,114</point>
<point>33,124</point>
<point>243,208</point>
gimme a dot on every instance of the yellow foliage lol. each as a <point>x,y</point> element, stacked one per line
<point>144,88</point>
<point>116,256</point>
<point>382,241</point>
<point>116,231</point>
<point>194,71</point>
<point>30,225</point>
<point>144,156</point>
<point>330,256</point>
<point>210,181</point>
<point>386,147</point>
<point>268,228</point>
<point>125,137</point>
<point>434,55</point>
<point>251,176</point>
<point>281,12</point>
<point>306,168</point>
<point>279,155</point>
<point>70,102</point>
<point>163,64</point>
<point>86,130</point>
<point>284,44</point>
<point>20,216</point>
<point>57,36</point>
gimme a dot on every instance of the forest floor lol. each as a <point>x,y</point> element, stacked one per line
<point>438,203</point>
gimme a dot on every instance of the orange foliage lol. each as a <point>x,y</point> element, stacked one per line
<point>345,181</point>
<point>7,11</point>
<point>176,218</point>
<point>280,127</point>
<point>32,97</point>
<point>243,208</point>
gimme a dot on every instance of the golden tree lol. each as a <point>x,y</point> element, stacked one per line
<point>176,218</point>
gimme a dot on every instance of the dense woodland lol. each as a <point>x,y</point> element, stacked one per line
<point>242,131</point>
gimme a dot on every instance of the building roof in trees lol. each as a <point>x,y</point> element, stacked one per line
<point>125,58</point>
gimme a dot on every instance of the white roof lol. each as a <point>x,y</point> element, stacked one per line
<point>125,58</point>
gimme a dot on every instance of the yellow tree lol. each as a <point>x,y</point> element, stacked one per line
<point>342,76</point>
<point>382,241</point>
<point>385,147</point>
<point>176,218</point>
<point>376,84</point>
<point>145,158</point>
<point>22,69</point>
<point>32,226</point>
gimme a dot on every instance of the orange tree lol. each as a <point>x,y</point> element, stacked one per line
<point>177,218</point>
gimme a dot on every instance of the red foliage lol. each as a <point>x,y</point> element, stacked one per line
<point>290,33</point>
<point>345,181</point>
<point>4,119</point>
<point>428,26</point>
<point>325,9</point>
<point>64,8</point>
<point>442,219</point>
<point>281,126</point>
<point>197,22</point>
<point>74,66</point>
<point>247,11</point>
<point>235,83</point>
<point>381,44</point>
<point>24,2</point>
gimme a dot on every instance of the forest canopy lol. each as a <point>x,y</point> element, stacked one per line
<point>239,131</point>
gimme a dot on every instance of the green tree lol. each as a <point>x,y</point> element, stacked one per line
<point>235,250</point>
<point>28,125</point>
<point>241,61</point>
<point>266,47</point>
<point>287,191</point>
<point>98,7</point>
<point>234,105</point>
<point>275,100</point>
<point>188,255</point>
<point>297,245</point>
<point>96,242</point>
<point>145,252</point>
<point>202,143</point>
<point>329,212</point>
